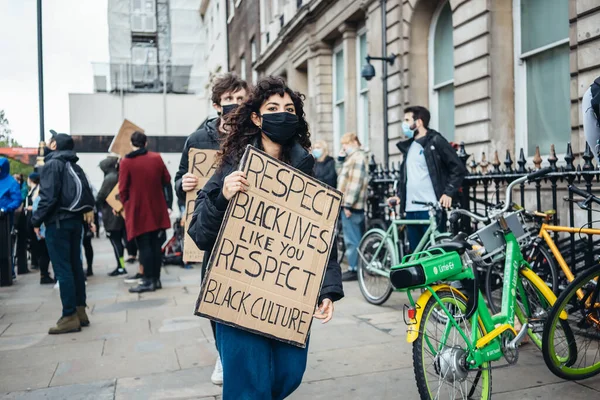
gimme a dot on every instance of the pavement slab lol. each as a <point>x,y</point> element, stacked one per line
<point>151,346</point>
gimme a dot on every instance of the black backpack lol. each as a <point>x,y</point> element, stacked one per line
<point>595,89</point>
<point>76,194</point>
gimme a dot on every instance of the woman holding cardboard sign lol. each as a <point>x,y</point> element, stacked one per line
<point>272,120</point>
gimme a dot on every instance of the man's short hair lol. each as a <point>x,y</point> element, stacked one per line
<point>228,82</point>
<point>138,139</point>
<point>349,138</point>
<point>419,112</point>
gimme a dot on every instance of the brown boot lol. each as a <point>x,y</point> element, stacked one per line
<point>66,325</point>
<point>83,318</point>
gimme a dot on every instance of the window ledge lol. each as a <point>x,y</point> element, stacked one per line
<point>237,3</point>
<point>230,18</point>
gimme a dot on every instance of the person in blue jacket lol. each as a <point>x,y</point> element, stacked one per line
<point>10,196</point>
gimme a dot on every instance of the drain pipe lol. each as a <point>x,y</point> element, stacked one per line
<point>385,85</point>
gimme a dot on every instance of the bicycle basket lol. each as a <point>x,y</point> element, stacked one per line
<point>425,268</point>
<point>491,236</point>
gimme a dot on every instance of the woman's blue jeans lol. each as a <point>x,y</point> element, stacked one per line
<point>256,367</point>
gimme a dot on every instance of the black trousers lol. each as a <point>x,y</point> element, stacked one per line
<point>87,245</point>
<point>131,246</point>
<point>43,260</point>
<point>118,241</point>
<point>149,246</point>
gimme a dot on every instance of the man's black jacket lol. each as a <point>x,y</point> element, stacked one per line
<point>206,137</point>
<point>446,170</point>
<point>51,179</point>
<point>211,205</point>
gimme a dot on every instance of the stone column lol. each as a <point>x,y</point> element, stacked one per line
<point>320,87</point>
<point>350,96</point>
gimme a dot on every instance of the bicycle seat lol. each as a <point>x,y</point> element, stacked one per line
<point>458,243</point>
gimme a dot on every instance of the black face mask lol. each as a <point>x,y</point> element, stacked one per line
<point>280,127</point>
<point>228,108</point>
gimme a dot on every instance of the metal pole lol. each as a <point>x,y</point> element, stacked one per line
<point>165,98</point>
<point>385,85</point>
<point>40,68</point>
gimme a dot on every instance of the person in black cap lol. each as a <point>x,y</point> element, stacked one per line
<point>65,197</point>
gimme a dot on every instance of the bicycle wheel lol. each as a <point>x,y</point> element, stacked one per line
<point>541,262</point>
<point>533,309</point>
<point>375,286</point>
<point>440,352</point>
<point>571,347</point>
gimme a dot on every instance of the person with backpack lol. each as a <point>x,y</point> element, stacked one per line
<point>66,200</point>
<point>590,106</point>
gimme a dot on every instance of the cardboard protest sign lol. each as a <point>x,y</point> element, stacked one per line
<point>114,201</point>
<point>202,165</point>
<point>269,260</point>
<point>121,143</point>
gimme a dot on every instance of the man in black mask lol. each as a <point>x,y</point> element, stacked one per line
<point>228,92</point>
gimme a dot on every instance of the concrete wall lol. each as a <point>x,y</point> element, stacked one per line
<point>103,113</point>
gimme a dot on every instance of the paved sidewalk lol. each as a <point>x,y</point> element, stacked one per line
<point>151,346</point>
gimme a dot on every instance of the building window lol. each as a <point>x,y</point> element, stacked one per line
<point>243,68</point>
<point>143,16</point>
<point>362,90</point>
<point>441,72</point>
<point>253,51</point>
<point>542,78</point>
<point>254,76</point>
<point>231,10</point>
<point>339,114</point>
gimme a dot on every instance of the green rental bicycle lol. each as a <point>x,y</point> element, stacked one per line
<point>452,356</point>
<point>379,250</point>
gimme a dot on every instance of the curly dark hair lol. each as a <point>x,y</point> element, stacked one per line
<point>242,131</point>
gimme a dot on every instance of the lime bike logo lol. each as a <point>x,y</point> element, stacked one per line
<point>514,285</point>
<point>443,268</point>
<point>492,352</point>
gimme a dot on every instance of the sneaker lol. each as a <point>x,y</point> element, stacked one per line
<point>89,272</point>
<point>130,260</point>
<point>158,284</point>
<point>46,280</point>
<point>118,271</point>
<point>134,278</point>
<point>57,285</point>
<point>349,276</point>
<point>146,286</point>
<point>217,375</point>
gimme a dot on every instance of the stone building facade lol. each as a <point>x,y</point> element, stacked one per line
<point>243,29</point>
<point>496,74</point>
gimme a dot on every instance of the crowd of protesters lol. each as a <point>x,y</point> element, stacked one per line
<point>58,229</point>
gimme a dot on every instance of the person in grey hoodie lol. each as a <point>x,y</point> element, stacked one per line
<point>113,223</point>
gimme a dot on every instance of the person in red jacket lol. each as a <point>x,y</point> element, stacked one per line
<point>145,191</point>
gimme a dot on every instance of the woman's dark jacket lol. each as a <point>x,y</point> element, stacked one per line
<point>209,212</point>
<point>325,171</point>
<point>111,178</point>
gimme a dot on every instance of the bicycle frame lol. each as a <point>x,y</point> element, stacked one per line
<point>431,234</point>
<point>545,234</point>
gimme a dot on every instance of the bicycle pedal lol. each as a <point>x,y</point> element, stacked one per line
<point>513,344</point>
<point>484,340</point>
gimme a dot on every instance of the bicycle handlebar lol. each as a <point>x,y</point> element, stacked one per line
<point>426,203</point>
<point>532,176</point>
<point>584,194</point>
<point>471,215</point>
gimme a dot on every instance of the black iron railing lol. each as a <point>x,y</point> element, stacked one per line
<point>485,183</point>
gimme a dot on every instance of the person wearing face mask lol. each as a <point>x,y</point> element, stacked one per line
<point>228,92</point>
<point>325,165</point>
<point>430,172</point>
<point>352,181</point>
<point>272,119</point>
